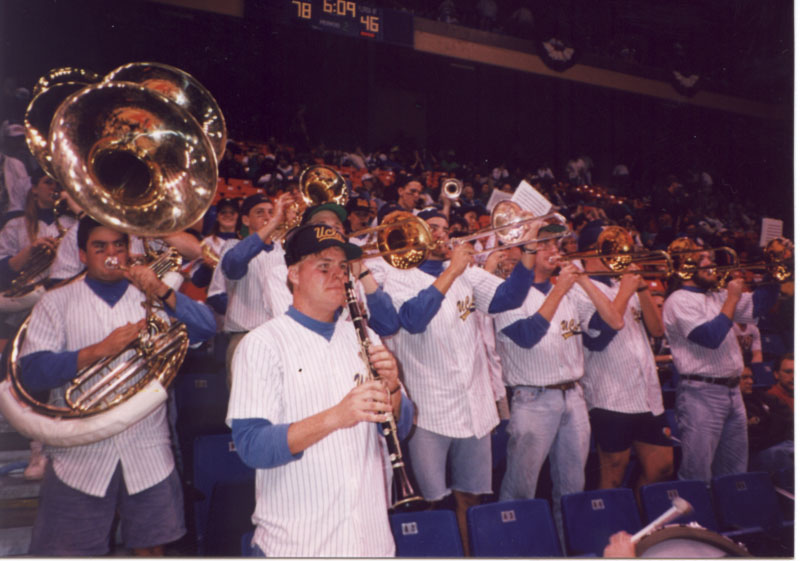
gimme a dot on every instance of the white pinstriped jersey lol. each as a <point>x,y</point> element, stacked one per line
<point>248,302</point>
<point>623,376</point>
<point>16,180</point>
<point>277,293</point>
<point>445,368</point>
<point>557,357</point>
<point>14,236</point>
<point>70,318</point>
<point>684,310</point>
<point>332,501</point>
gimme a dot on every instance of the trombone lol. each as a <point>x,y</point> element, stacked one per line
<point>617,253</point>
<point>404,240</point>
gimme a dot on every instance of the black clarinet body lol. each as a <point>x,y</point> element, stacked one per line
<point>403,493</point>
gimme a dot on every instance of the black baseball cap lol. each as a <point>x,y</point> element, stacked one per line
<point>313,238</point>
<point>252,201</point>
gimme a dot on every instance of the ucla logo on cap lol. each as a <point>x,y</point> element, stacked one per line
<point>327,233</point>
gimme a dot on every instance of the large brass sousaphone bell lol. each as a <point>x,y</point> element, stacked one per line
<point>141,162</point>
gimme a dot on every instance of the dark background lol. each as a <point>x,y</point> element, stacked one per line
<point>358,92</point>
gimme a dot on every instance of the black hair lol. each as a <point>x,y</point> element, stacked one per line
<point>85,227</point>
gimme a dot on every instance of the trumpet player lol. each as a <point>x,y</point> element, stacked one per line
<point>132,473</point>
<point>444,364</point>
<point>698,320</point>
<point>542,353</point>
<point>300,421</point>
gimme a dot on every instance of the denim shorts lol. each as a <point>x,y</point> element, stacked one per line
<point>469,460</point>
<point>72,523</point>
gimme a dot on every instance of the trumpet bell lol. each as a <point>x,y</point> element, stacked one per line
<point>180,88</point>
<point>452,188</point>
<point>403,240</point>
<point>322,184</point>
<point>132,159</point>
<point>511,223</point>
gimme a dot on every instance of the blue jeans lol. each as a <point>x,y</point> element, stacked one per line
<point>775,458</point>
<point>546,422</point>
<point>713,426</point>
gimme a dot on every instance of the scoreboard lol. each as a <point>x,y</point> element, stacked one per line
<point>354,19</point>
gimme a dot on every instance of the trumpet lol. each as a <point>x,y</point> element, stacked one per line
<point>451,188</point>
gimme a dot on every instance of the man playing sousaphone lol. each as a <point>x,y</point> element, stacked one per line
<point>132,473</point>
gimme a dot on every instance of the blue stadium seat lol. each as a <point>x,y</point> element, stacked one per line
<point>657,498</point>
<point>430,533</point>
<point>591,517</point>
<point>772,345</point>
<point>520,528</point>
<point>746,501</point>
<point>748,511</point>
<point>229,514</point>
<point>247,549</point>
<point>215,460</point>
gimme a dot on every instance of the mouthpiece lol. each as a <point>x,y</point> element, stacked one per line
<point>111,263</point>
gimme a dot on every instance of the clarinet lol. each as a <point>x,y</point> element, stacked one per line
<point>402,490</point>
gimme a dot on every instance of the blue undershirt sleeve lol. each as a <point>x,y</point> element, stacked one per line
<point>603,339</point>
<point>711,333</point>
<point>45,370</point>
<point>512,292</point>
<point>199,319</point>
<point>218,302</point>
<point>236,259</point>
<point>406,419</point>
<point>383,318</point>
<point>764,297</point>
<point>416,313</point>
<point>261,444</point>
<point>527,332</point>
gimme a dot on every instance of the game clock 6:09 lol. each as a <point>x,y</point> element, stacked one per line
<point>346,17</point>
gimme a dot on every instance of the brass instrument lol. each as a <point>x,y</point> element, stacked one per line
<point>403,494</point>
<point>777,263</point>
<point>318,184</point>
<point>136,162</point>
<point>616,251</point>
<point>403,240</point>
<point>686,255</point>
<point>451,188</point>
<point>514,226</point>
<point>30,276</point>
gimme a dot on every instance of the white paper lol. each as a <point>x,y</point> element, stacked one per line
<point>496,197</point>
<point>771,228</point>
<point>530,199</point>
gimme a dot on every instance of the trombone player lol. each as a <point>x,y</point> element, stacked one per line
<point>133,472</point>
<point>698,318</point>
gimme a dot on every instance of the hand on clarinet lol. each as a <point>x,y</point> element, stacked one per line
<point>365,402</point>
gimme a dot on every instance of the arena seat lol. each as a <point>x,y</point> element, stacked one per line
<point>430,533</point>
<point>591,517</point>
<point>215,461</point>
<point>657,498</point>
<point>229,514</point>
<point>519,528</point>
<point>762,374</point>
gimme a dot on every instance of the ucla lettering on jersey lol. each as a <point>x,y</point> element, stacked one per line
<point>466,307</point>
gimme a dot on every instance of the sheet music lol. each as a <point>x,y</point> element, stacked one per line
<point>530,199</point>
<point>771,228</point>
<point>496,197</point>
